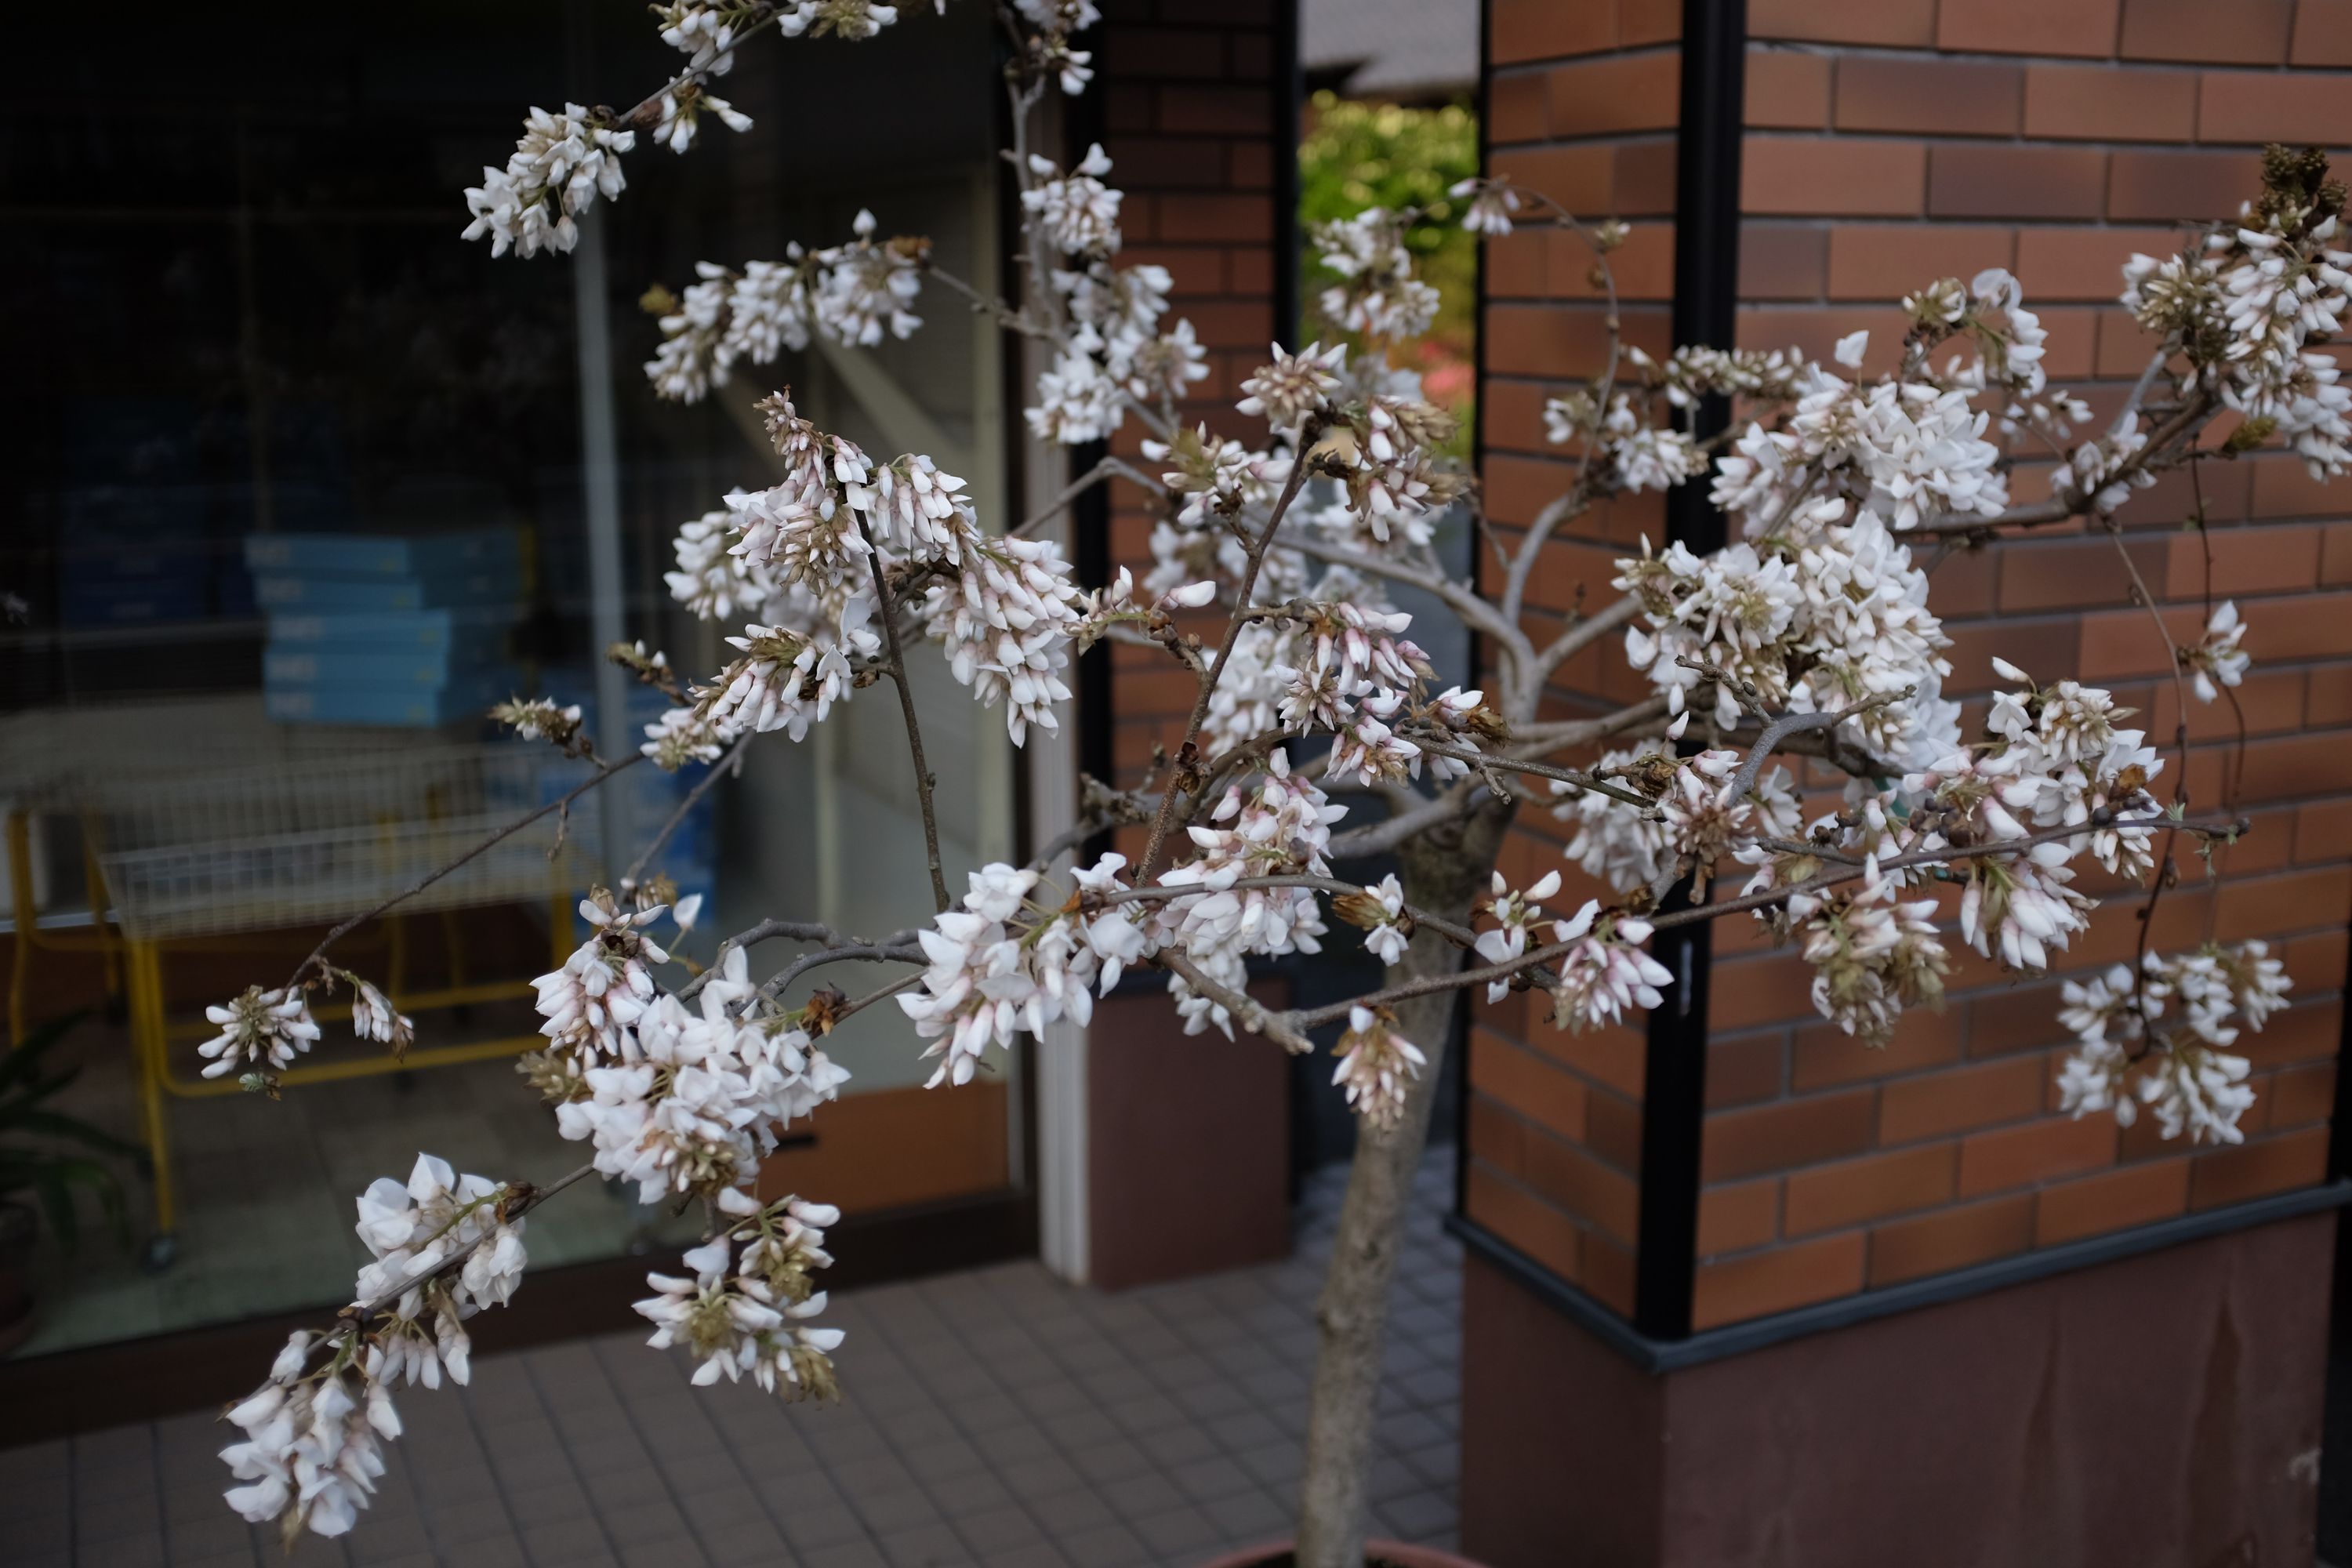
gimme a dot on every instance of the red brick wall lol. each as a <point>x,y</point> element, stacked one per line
<point>1582,109</point>
<point>1189,104</point>
<point>1892,141</point>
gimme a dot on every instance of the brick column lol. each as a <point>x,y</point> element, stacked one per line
<point>1890,142</point>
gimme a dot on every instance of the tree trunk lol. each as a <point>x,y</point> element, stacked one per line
<point>1443,871</point>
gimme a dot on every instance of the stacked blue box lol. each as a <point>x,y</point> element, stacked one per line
<point>374,630</point>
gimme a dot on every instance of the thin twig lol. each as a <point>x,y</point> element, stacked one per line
<point>410,892</point>
<point>898,947</point>
<point>924,782</point>
<point>1199,715</point>
<point>1765,899</point>
<point>702,786</point>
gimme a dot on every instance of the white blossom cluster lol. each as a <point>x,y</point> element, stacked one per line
<point>606,984</point>
<point>1378,294</point>
<point>744,1311</point>
<point>560,165</point>
<point>1693,827</point>
<point>312,1436</point>
<point>1376,1065</point>
<point>414,1229</point>
<point>259,1031</point>
<point>687,1104</point>
<point>1004,610</point>
<point>1004,963</point>
<point>1280,825</point>
<point>312,1444</point>
<point>2251,308</point>
<point>2160,1037</point>
<point>855,293</point>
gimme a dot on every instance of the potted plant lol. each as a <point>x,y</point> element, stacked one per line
<point>43,1172</point>
<point>1813,635</point>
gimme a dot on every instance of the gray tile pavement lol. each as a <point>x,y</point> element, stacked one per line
<point>997,1417</point>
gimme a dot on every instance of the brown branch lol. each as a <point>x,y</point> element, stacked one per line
<point>1765,899</point>
<point>1199,715</point>
<point>702,786</point>
<point>924,781</point>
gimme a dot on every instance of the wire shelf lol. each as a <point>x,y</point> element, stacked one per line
<point>310,838</point>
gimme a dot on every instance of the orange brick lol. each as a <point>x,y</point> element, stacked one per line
<point>2028,26</point>
<point>1582,1185</point>
<point>1856,177</point>
<point>1529,340</point>
<point>2244,32</point>
<point>1497,1136</point>
<point>1737,1217</point>
<point>2015,1156</point>
<point>1543,30</point>
<point>1744,1069</point>
<point>1936,1105</point>
<point>1951,1239</point>
<point>1788,89</point>
<point>1641,178</point>
<point>1626,92</point>
<point>1608,1271</point>
<point>1900,23</point>
<point>1854,1192</point>
<point>2331,695</point>
<point>2323,830</point>
<point>1609,1057</point>
<point>2115,1201</point>
<point>2198,186</point>
<point>2302,1096</point>
<point>2299,900</point>
<point>1786,1134</point>
<point>1969,180</point>
<point>2322,32</point>
<point>2264,106</point>
<point>1612,1129</point>
<point>2315,963</point>
<point>2310,1032</point>
<point>1519,108</point>
<point>2084,263</point>
<point>2106,103</point>
<point>2245,561</point>
<point>1960,98</point>
<point>1783,261</point>
<point>1886,261</point>
<point>2259,1168</point>
<point>1576,177</point>
<point>1826,1055</point>
<point>2074,574</point>
<point>1523,1220</point>
<point>1778,1279</point>
<point>1538,1090</point>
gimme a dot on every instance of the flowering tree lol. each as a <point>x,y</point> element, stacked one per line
<point>1810,635</point>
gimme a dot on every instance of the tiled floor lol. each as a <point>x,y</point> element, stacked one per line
<point>265,1225</point>
<point>996,1417</point>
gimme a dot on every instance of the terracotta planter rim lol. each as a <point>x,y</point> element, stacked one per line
<point>1397,1552</point>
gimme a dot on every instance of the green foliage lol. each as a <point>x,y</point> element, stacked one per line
<point>1359,155</point>
<point>30,1132</point>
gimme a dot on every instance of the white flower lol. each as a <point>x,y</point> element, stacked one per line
<point>605,984</point>
<point>373,1017</point>
<point>1605,973</point>
<point>311,1450</point>
<point>748,1317</point>
<point>1293,386</point>
<point>1492,203</point>
<point>562,164</point>
<point>1376,1066</point>
<point>2216,659</point>
<point>260,1030</point>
